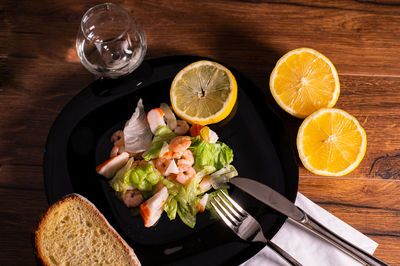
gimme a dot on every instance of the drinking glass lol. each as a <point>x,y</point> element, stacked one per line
<point>110,43</point>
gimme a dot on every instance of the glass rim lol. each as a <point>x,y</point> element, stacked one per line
<point>101,5</point>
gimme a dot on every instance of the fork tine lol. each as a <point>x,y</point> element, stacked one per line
<point>229,206</point>
<point>245,226</point>
<point>225,211</point>
<point>234,204</point>
<point>221,214</point>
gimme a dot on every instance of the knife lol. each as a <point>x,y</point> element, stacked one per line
<point>278,202</point>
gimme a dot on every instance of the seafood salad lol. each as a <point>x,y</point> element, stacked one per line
<point>162,164</point>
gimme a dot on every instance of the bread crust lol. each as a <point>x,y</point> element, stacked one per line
<point>76,197</point>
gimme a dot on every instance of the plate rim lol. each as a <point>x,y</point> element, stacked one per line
<point>286,138</point>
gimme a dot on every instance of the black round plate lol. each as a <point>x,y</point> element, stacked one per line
<point>80,139</point>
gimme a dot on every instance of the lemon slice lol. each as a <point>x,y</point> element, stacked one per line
<point>203,93</point>
<point>304,81</point>
<point>331,142</point>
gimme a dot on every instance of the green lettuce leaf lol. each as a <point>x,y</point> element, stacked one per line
<point>143,177</point>
<point>163,134</point>
<point>217,154</point>
<point>203,172</point>
<point>186,214</point>
<point>188,193</point>
<point>188,197</point>
<point>220,178</point>
<point>118,181</point>
<point>173,188</point>
<point>180,201</point>
<point>171,207</point>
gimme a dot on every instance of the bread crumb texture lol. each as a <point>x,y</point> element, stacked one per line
<point>75,233</point>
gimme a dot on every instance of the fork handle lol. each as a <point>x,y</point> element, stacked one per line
<point>283,253</point>
<point>342,244</point>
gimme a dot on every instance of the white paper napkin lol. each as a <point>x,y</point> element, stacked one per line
<point>309,249</point>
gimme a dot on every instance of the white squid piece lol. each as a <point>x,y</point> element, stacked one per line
<point>137,134</point>
<point>155,118</point>
<point>112,165</point>
<point>152,208</point>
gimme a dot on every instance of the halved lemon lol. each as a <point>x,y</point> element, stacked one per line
<point>203,93</point>
<point>331,142</point>
<point>304,81</point>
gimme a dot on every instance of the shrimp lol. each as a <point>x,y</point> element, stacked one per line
<point>119,146</point>
<point>172,155</point>
<point>162,165</point>
<point>117,136</point>
<point>168,155</point>
<point>132,198</point>
<point>155,118</point>
<point>180,144</point>
<point>186,173</point>
<point>166,166</point>
<point>182,127</point>
<point>117,150</point>
<point>171,177</point>
<point>186,158</point>
<point>177,155</point>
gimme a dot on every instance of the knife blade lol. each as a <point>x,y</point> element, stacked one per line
<point>269,196</point>
<point>278,202</point>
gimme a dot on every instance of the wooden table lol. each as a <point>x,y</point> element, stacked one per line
<point>40,73</point>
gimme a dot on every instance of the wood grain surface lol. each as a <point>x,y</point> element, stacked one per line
<point>40,73</point>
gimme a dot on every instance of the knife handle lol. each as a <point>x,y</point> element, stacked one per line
<point>342,244</point>
<point>283,253</point>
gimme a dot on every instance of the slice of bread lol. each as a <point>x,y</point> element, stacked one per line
<point>74,232</point>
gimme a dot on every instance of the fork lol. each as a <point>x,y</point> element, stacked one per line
<point>243,224</point>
